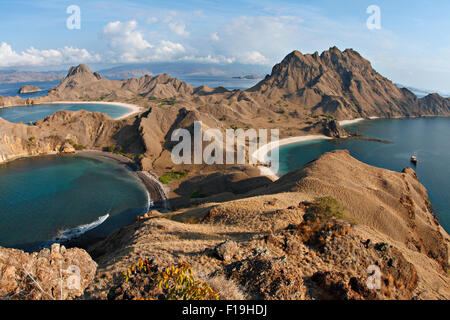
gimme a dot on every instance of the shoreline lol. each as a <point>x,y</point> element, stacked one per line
<point>262,153</point>
<point>343,123</point>
<point>134,109</point>
<point>158,193</point>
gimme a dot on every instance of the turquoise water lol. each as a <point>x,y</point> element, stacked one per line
<point>26,114</point>
<point>44,198</point>
<point>429,138</point>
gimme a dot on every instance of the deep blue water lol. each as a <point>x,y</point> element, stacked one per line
<point>42,197</point>
<point>26,114</point>
<point>429,138</point>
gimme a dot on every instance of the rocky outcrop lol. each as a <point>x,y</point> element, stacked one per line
<point>29,89</point>
<point>51,274</point>
<point>13,101</point>
<point>332,128</point>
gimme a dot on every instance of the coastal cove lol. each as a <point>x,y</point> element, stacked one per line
<point>428,138</point>
<point>27,114</point>
<point>61,197</point>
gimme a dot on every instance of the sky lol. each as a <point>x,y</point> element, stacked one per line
<point>411,44</point>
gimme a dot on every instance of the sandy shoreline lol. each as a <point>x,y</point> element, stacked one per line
<point>347,122</point>
<point>132,107</point>
<point>262,153</point>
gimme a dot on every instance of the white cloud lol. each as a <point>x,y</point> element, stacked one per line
<point>125,37</point>
<point>128,45</point>
<point>254,57</point>
<point>179,28</point>
<point>215,36</point>
<point>36,57</point>
<point>254,40</point>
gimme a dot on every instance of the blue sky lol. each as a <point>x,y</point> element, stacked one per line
<point>412,47</point>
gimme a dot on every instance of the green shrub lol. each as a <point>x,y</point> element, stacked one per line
<point>79,147</point>
<point>326,208</point>
<point>168,101</point>
<point>197,194</point>
<point>174,175</point>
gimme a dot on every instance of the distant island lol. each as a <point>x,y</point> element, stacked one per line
<point>29,89</point>
<point>17,76</point>
<point>249,77</point>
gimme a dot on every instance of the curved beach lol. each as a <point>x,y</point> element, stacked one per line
<point>134,109</point>
<point>262,153</point>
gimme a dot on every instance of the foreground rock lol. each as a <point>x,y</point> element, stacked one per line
<point>51,274</point>
<point>29,89</point>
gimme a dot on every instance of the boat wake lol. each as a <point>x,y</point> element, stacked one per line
<point>69,234</point>
<point>149,202</point>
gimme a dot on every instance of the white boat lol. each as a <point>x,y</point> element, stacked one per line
<point>414,159</point>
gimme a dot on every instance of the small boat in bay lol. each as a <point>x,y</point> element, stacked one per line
<point>414,159</point>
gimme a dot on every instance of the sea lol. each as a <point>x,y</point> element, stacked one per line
<point>428,138</point>
<point>51,199</point>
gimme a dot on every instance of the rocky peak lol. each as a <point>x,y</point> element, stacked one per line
<point>83,71</point>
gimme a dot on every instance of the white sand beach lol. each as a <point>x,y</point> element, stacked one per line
<point>347,122</point>
<point>132,107</point>
<point>262,153</point>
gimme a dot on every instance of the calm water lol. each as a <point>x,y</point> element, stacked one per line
<point>46,197</point>
<point>28,114</point>
<point>429,138</point>
<point>12,89</point>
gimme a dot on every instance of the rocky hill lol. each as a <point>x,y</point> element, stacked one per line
<point>343,84</point>
<point>311,235</point>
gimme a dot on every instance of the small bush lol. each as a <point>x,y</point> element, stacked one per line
<point>197,194</point>
<point>172,283</point>
<point>179,283</point>
<point>79,147</point>
<point>174,175</point>
<point>326,208</point>
<point>168,101</point>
